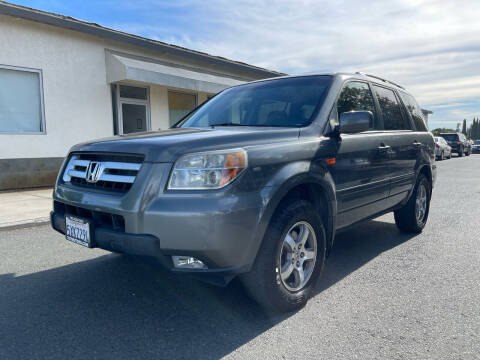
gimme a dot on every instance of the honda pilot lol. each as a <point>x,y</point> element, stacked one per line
<point>255,182</point>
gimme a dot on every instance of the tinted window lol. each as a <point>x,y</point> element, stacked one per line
<point>355,96</point>
<point>414,111</point>
<point>450,137</point>
<point>392,115</point>
<point>286,102</point>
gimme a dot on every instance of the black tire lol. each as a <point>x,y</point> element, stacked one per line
<point>406,217</point>
<point>468,153</point>
<point>263,282</point>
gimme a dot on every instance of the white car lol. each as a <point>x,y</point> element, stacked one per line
<point>442,149</point>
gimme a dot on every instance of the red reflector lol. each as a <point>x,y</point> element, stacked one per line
<point>330,161</point>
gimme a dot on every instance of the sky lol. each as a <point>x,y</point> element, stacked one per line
<point>431,47</point>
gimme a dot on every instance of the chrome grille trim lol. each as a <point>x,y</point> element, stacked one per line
<point>124,172</point>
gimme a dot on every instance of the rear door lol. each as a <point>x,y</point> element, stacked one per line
<point>361,168</point>
<point>404,143</point>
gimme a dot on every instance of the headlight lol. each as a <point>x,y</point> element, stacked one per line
<point>209,170</point>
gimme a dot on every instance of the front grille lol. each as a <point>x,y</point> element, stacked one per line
<point>112,172</point>
<point>100,219</point>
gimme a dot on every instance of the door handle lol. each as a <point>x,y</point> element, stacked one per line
<point>416,143</point>
<point>383,148</point>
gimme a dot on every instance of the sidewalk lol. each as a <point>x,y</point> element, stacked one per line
<point>25,208</point>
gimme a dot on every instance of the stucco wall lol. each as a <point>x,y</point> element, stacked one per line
<point>76,95</point>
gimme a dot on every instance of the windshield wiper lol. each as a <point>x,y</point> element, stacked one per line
<point>227,124</point>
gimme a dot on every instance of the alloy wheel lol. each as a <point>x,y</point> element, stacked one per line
<point>421,203</point>
<point>297,256</point>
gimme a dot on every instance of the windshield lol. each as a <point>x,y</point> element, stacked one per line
<point>450,137</point>
<point>289,102</point>
<point>477,142</point>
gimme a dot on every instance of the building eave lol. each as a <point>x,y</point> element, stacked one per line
<point>70,23</point>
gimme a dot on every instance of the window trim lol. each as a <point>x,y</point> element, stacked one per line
<point>43,124</point>
<point>195,94</point>
<point>409,116</point>
<point>131,101</point>
<point>400,105</point>
<point>376,117</point>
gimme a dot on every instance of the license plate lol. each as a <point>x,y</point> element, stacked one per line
<point>77,230</point>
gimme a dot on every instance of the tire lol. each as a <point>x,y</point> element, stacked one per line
<point>468,153</point>
<point>406,217</point>
<point>264,282</point>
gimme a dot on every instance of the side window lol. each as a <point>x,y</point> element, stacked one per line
<point>414,111</point>
<point>392,115</point>
<point>356,96</point>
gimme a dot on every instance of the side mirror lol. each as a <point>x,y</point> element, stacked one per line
<point>355,121</point>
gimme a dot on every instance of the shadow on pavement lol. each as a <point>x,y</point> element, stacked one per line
<point>120,308</point>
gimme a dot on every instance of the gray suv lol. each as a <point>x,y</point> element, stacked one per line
<point>255,182</point>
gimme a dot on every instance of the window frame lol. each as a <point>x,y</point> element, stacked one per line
<point>400,105</point>
<point>43,125</point>
<point>131,101</point>
<point>407,113</point>
<point>195,94</point>
<point>377,120</point>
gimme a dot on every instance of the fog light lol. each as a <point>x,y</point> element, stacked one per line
<point>187,262</point>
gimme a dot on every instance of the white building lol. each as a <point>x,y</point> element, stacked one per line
<point>65,81</point>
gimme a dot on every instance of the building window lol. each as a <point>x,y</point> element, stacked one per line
<point>131,109</point>
<point>179,105</point>
<point>21,101</point>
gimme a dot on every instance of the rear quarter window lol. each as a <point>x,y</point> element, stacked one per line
<point>414,111</point>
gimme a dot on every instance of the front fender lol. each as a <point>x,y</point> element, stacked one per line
<point>284,181</point>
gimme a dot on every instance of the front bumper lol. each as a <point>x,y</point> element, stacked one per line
<point>217,227</point>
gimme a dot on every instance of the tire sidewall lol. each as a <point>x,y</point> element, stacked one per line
<point>297,211</point>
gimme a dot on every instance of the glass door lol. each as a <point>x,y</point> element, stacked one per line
<point>132,109</point>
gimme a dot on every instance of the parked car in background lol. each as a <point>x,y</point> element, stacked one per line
<point>442,149</point>
<point>476,147</point>
<point>458,143</point>
<point>255,182</point>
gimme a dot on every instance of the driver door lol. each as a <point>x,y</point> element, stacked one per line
<point>361,170</point>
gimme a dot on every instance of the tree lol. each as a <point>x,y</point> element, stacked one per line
<point>464,127</point>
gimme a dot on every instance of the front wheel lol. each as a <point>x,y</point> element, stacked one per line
<point>290,259</point>
<point>413,216</point>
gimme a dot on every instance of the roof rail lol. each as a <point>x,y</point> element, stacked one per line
<point>380,78</point>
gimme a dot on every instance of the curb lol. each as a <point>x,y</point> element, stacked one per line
<point>25,224</point>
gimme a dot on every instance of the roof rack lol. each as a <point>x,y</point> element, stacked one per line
<point>380,78</point>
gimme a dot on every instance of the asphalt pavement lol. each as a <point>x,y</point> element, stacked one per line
<point>383,295</point>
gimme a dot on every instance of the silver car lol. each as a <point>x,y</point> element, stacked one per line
<point>442,149</point>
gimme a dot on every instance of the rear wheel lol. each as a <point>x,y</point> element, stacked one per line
<point>413,216</point>
<point>290,260</point>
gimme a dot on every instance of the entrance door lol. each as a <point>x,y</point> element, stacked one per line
<point>134,117</point>
<point>131,109</point>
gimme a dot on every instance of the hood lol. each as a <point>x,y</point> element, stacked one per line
<point>168,145</point>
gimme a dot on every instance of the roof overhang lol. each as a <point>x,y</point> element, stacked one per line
<point>126,68</point>
<point>168,50</point>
